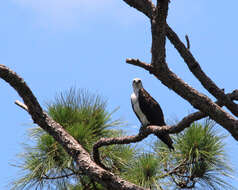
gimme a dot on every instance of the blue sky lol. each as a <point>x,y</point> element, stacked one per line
<point>56,44</point>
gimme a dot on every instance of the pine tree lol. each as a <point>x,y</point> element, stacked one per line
<point>198,162</point>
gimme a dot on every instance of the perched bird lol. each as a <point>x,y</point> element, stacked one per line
<point>148,111</point>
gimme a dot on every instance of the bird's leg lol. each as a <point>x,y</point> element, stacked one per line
<point>142,128</point>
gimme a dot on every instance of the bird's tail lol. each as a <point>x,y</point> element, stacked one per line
<point>166,139</point>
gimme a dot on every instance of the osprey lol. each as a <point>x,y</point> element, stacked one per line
<point>147,110</point>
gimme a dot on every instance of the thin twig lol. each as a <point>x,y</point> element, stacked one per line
<point>188,42</point>
<point>58,177</point>
<point>22,105</point>
<point>174,170</point>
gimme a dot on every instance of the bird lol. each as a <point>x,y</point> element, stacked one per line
<point>148,111</point>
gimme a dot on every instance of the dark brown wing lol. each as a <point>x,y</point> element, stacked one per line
<point>154,114</point>
<point>151,108</point>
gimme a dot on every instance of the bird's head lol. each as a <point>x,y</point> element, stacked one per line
<point>137,84</point>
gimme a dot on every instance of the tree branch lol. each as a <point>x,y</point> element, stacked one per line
<point>143,133</point>
<point>144,6</point>
<point>195,68</point>
<point>139,63</point>
<point>74,149</point>
<point>118,140</point>
<point>158,28</point>
<point>188,120</point>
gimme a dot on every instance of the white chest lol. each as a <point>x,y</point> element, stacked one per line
<point>136,106</point>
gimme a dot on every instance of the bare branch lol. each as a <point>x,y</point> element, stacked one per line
<point>195,68</point>
<point>118,140</point>
<point>188,120</point>
<point>139,63</point>
<point>74,149</point>
<point>144,6</point>
<point>143,133</point>
<point>158,27</point>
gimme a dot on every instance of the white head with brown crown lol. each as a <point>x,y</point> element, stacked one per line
<point>137,85</point>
